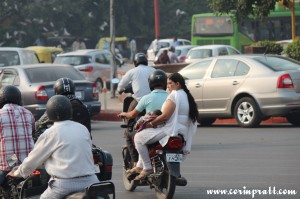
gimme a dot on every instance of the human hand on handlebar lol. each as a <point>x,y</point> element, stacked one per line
<point>122,115</point>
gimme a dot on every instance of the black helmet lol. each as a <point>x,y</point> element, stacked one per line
<point>59,108</point>
<point>10,94</point>
<point>140,58</point>
<point>64,86</point>
<point>158,78</point>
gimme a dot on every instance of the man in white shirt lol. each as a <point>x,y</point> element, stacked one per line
<point>65,149</point>
<point>138,77</point>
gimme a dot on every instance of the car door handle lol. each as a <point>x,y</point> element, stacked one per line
<point>235,83</point>
<point>197,85</point>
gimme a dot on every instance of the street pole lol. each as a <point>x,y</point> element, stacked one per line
<point>156,18</point>
<point>112,48</point>
<point>293,20</point>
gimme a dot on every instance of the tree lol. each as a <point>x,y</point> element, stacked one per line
<point>259,9</point>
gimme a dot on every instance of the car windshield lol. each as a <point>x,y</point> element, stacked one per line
<point>201,53</point>
<point>278,63</point>
<point>50,74</point>
<point>73,60</point>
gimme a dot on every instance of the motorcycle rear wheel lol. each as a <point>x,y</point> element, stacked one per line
<point>167,188</point>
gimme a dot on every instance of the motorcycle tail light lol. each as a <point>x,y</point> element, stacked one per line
<point>175,143</point>
<point>108,168</point>
<point>36,172</point>
<point>159,152</point>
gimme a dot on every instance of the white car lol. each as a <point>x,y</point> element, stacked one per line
<point>205,51</point>
<point>10,56</point>
<point>163,43</point>
<point>94,64</point>
<point>180,52</point>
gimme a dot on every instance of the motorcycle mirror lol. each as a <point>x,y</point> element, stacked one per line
<point>115,81</point>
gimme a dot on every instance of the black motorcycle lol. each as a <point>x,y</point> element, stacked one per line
<point>165,162</point>
<point>37,182</point>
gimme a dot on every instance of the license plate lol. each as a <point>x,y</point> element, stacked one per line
<point>97,169</point>
<point>78,94</point>
<point>174,157</point>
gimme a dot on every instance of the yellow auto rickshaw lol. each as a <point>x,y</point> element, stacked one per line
<point>46,54</point>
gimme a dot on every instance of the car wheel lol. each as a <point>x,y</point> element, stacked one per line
<point>206,121</point>
<point>247,113</point>
<point>294,119</point>
<point>99,85</point>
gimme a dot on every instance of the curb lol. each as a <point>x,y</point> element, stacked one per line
<point>111,115</point>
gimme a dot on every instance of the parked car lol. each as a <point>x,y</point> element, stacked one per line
<point>163,43</point>
<point>46,54</point>
<point>180,52</point>
<point>94,64</point>
<point>205,51</point>
<point>36,85</point>
<point>250,88</point>
<point>10,56</point>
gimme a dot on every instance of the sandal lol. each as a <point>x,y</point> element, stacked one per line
<point>134,170</point>
<point>132,173</point>
<point>144,174</point>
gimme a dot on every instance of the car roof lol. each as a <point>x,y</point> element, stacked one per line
<point>213,46</point>
<point>14,49</point>
<point>84,52</point>
<point>185,46</point>
<point>171,40</point>
<point>36,65</point>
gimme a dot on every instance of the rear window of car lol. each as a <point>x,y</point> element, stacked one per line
<point>278,63</point>
<point>49,74</point>
<point>9,58</point>
<point>201,53</point>
<point>73,60</point>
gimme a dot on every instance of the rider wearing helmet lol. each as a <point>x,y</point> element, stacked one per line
<point>65,86</point>
<point>158,83</point>
<point>138,77</point>
<point>65,149</point>
<point>16,124</point>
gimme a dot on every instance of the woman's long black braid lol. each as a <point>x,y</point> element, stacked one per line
<point>193,113</point>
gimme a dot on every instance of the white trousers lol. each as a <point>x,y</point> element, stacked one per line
<point>144,159</point>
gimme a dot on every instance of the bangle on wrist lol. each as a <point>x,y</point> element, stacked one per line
<point>151,124</point>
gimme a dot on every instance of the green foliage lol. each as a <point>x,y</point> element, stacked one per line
<point>271,47</point>
<point>293,50</point>
<point>243,8</point>
<point>28,19</point>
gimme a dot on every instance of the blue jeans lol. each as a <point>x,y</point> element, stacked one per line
<point>3,176</point>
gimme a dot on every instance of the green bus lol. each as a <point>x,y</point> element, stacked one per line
<point>211,29</point>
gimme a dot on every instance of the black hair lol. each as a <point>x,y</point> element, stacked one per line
<point>193,112</point>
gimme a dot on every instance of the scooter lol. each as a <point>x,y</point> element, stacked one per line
<point>165,162</point>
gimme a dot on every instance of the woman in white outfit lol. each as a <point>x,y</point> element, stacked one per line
<point>179,113</point>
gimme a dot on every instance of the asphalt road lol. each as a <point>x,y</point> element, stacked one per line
<point>224,157</point>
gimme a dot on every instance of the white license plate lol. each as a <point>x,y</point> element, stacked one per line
<point>97,169</point>
<point>78,94</point>
<point>174,157</point>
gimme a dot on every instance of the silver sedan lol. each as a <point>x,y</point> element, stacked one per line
<point>250,88</point>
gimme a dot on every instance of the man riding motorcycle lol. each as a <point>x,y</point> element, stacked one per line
<point>138,77</point>
<point>66,151</point>
<point>158,83</point>
<point>65,86</point>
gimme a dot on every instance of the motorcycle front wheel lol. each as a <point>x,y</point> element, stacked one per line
<point>128,163</point>
<point>167,187</point>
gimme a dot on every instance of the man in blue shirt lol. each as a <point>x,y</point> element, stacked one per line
<point>149,102</point>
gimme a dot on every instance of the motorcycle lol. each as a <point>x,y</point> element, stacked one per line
<point>37,182</point>
<point>165,162</point>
